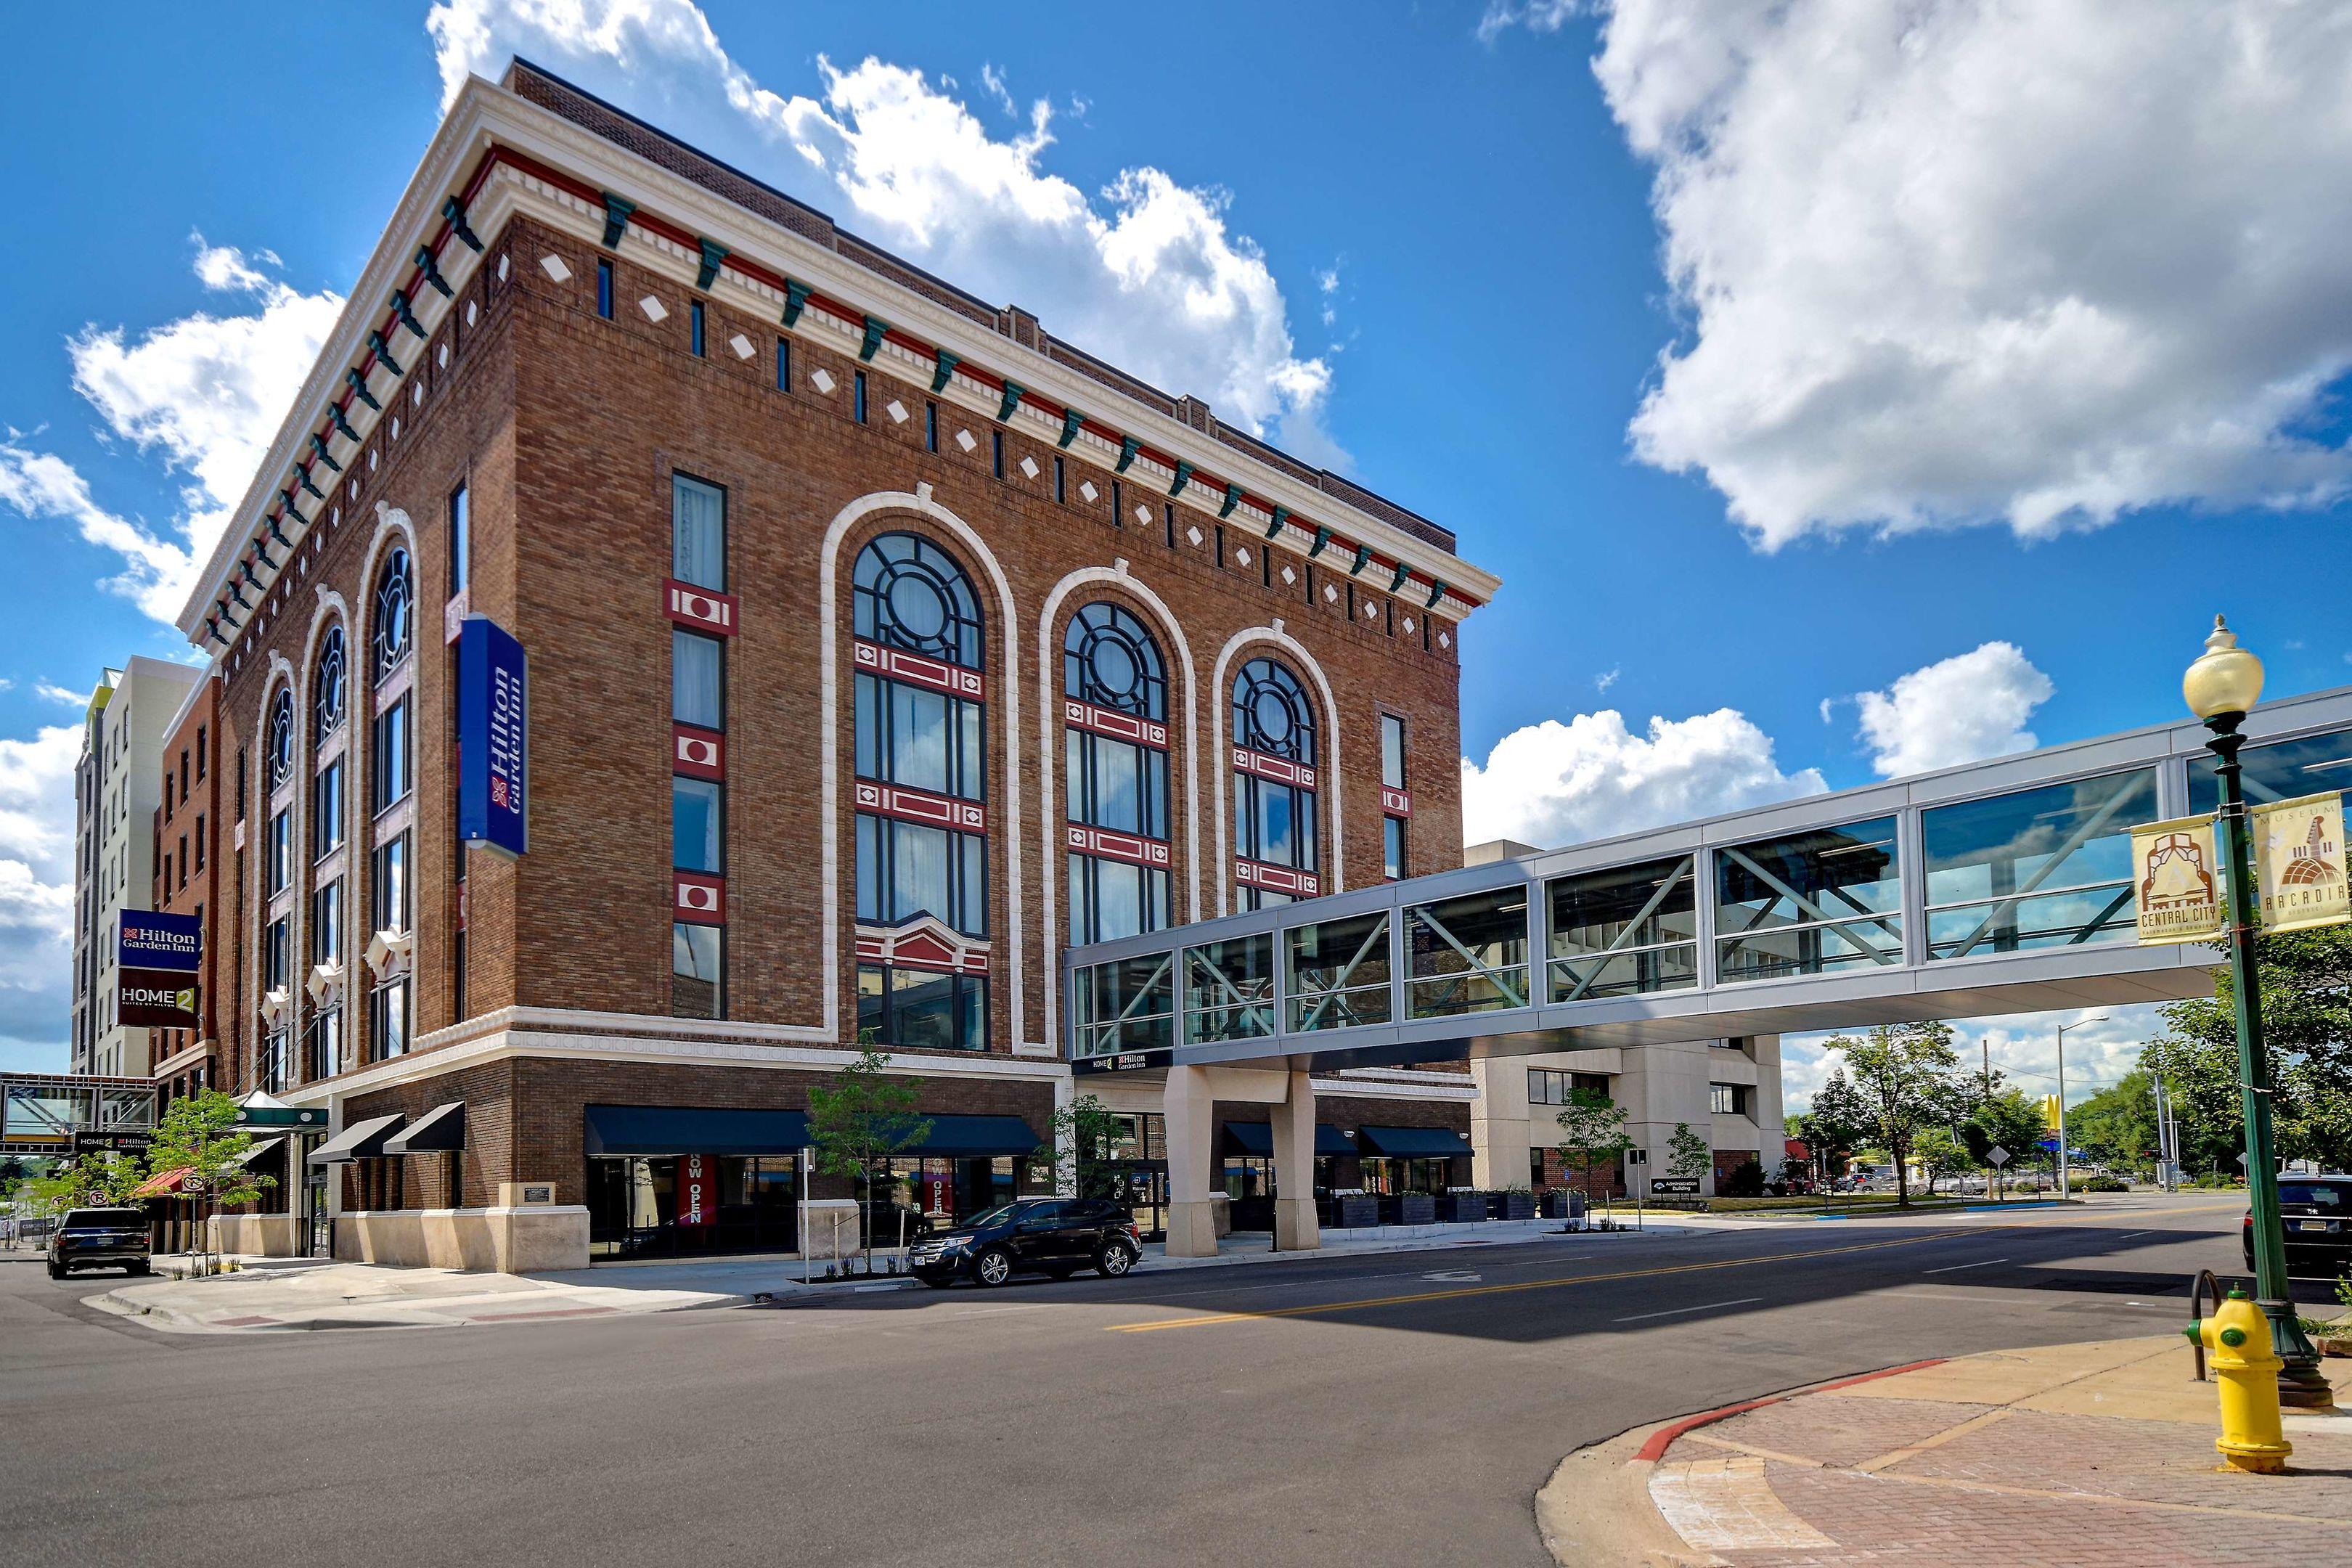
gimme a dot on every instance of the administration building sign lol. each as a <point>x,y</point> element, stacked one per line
<point>2299,868</point>
<point>2178,880</point>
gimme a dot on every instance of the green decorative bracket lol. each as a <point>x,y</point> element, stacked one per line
<point>212,631</point>
<point>1128,447</point>
<point>303,474</point>
<point>383,355</point>
<point>1233,499</point>
<point>278,533</point>
<point>358,384</point>
<point>245,570</point>
<point>287,496</point>
<point>342,426</point>
<point>262,550</point>
<point>455,211</point>
<point>318,450</point>
<point>616,219</point>
<point>1437,592</point>
<point>1363,559</point>
<point>876,327</point>
<point>430,265</point>
<point>1322,541</point>
<point>1281,521</point>
<point>237,593</point>
<point>407,316</point>
<point>1013,393</point>
<point>1071,420</point>
<point>1397,581</point>
<point>1183,478</point>
<point>943,370</point>
<point>796,296</point>
<point>713,253</point>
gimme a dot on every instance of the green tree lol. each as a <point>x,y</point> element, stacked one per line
<point>2116,1126</point>
<point>1837,1123</point>
<point>1592,1133</point>
<point>2008,1119</point>
<point>1939,1152</point>
<point>91,1180</point>
<point>198,1134</point>
<point>1081,1136</point>
<point>858,1122</point>
<point>1904,1075</point>
<point>1687,1155</point>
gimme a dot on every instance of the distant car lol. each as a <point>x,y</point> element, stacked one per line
<point>2316,1214</point>
<point>99,1238</point>
<point>1056,1236</point>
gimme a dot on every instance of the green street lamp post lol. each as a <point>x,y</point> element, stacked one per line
<point>2220,687</point>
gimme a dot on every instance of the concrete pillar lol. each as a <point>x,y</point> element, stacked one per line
<point>1500,1124</point>
<point>1066,1157</point>
<point>1191,1122</point>
<point>1297,1227</point>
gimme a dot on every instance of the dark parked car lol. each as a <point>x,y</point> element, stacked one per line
<point>2316,1213</point>
<point>99,1238</point>
<point>1041,1235</point>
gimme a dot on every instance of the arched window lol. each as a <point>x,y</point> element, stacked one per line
<point>910,594</point>
<point>921,787</point>
<point>1115,753</point>
<point>396,595</point>
<point>279,748</point>
<point>328,688</point>
<point>1273,787</point>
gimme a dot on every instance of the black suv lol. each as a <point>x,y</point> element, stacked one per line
<point>2316,1214</point>
<point>99,1238</point>
<point>1041,1235</point>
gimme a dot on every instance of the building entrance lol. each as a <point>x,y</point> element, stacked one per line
<point>689,1205</point>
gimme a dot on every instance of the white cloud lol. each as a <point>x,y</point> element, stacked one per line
<point>1959,710</point>
<point>50,690</point>
<point>37,890</point>
<point>993,81</point>
<point>1953,261</point>
<point>1150,276</point>
<point>1607,677</point>
<point>204,394</point>
<point>2021,1045</point>
<point>1535,15</point>
<point>1554,784</point>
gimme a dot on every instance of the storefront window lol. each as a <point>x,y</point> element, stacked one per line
<point>747,1204</point>
<point>921,1009</point>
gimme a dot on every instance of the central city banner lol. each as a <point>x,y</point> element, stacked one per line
<point>156,957</point>
<point>2299,863</point>
<point>2178,877</point>
<point>493,738</point>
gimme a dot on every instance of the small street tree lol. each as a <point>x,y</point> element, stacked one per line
<point>1940,1154</point>
<point>1592,1133</point>
<point>2008,1119</point>
<point>1903,1074</point>
<point>1687,1155</point>
<point>91,1180</point>
<point>198,1136</point>
<point>858,1122</point>
<point>1837,1124</point>
<point>1079,1137</point>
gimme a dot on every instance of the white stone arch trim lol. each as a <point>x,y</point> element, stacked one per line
<point>1050,750</point>
<point>332,611</point>
<point>919,504</point>
<point>1298,653</point>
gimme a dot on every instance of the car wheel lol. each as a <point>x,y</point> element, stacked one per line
<point>1117,1258</point>
<point>992,1267</point>
<point>935,1279</point>
<point>138,1268</point>
<point>57,1270</point>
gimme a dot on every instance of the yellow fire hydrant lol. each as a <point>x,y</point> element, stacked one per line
<point>2237,1340</point>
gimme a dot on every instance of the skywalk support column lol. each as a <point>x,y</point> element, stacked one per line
<point>1190,1110</point>
<point>1296,1226</point>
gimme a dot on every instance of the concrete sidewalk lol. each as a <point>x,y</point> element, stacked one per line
<point>2077,1454</point>
<point>279,1295</point>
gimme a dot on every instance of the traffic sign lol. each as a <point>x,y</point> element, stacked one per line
<point>1996,1155</point>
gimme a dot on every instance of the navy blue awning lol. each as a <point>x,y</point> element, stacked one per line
<point>1413,1142</point>
<point>1256,1138</point>
<point>976,1137</point>
<point>692,1130</point>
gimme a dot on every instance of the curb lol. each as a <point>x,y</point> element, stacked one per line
<point>1662,1437</point>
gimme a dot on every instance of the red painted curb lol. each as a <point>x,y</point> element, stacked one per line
<point>1663,1437</point>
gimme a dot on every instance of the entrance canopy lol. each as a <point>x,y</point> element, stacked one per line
<point>1255,1139</point>
<point>440,1131</point>
<point>1414,1143</point>
<point>693,1130</point>
<point>360,1140</point>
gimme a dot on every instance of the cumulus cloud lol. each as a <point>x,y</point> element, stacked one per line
<point>1958,709</point>
<point>37,894</point>
<point>1146,272</point>
<point>1553,784</point>
<point>1955,261</point>
<point>2023,1046</point>
<point>1536,15</point>
<point>202,395</point>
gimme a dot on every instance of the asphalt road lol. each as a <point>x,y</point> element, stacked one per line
<point>1393,1409</point>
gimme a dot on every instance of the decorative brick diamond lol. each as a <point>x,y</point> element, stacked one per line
<point>554,267</point>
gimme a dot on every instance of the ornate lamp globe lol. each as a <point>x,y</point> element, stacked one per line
<point>2226,679</point>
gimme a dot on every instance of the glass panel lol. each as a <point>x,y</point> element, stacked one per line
<point>392,759</point>
<point>1229,989</point>
<point>698,534</point>
<point>1624,973</point>
<point>327,810</point>
<point>694,822</point>
<point>1391,751</point>
<point>694,684</point>
<point>1468,954</point>
<point>327,924</point>
<point>922,1010</point>
<point>1809,904</point>
<point>1392,847</point>
<point>873,1004</point>
<point>1127,1005</point>
<point>1339,972</point>
<point>1623,930</point>
<point>694,982</point>
<point>2040,867</point>
<point>2280,771</point>
<point>918,871</point>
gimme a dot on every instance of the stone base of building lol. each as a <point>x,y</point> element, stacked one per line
<point>531,1240</point>
<point>257,1234</point>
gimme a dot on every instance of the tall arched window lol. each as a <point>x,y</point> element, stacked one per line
<point>279,748</point>
<point>396,599</point>
<point>330,697</point>
<point>277,881</point>
<point>1273,787</point>
<point>921,791</point>
<point>1115,753</point>
<point>391,773</point>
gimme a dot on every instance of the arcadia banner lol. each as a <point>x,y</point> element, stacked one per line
<point>2178,877</point>
<point>493,738</point>
<point>2299,871</point>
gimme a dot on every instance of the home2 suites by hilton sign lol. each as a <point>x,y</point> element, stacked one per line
<point>493,738</point>
<point>156,958</point>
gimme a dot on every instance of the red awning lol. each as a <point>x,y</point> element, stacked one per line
<point>163,1183</point>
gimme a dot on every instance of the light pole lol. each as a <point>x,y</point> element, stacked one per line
<point>2064,1189</point>
<point>2220,687</point>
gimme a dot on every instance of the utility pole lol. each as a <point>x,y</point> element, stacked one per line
<point>1984,1048</point>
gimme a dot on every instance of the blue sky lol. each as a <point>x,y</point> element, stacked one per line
<point>2032,405</point>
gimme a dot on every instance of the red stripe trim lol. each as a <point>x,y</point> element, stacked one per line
<point>1659,1441</point>
<point>1280,770</point>
<point>1277,879</point>
<point>1117,725</point>
<point>922,806</point>
<point>898,664</point>
<point>1111,846</point>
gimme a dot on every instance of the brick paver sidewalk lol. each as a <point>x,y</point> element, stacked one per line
<point>2090,1454</point>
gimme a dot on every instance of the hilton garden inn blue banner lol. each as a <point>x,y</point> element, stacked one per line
<point>493,738</point>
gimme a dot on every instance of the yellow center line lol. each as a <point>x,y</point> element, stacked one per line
<point>1317,1309</point>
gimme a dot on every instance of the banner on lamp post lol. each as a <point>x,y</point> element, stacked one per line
<point>2299,872</point>
<point>2178,878</point>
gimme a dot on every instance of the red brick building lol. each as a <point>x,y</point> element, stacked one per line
<point>877,641</point>
<point>188,839</point>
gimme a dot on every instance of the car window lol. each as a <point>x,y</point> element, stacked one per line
<point>107,1219</point>
<point>2318,1195</point>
